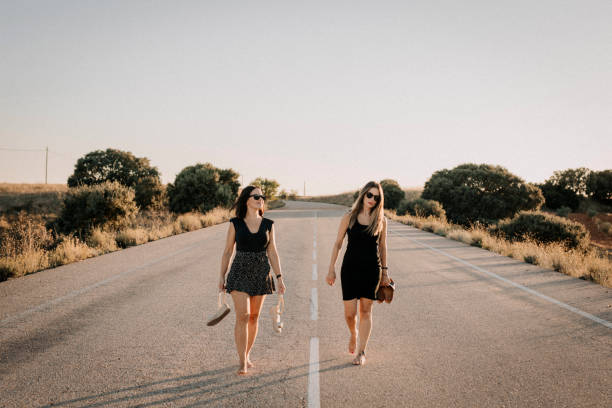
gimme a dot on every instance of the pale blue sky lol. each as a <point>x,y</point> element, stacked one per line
<point>334,92</point>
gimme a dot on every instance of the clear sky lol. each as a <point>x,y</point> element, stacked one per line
<point>334,93</point>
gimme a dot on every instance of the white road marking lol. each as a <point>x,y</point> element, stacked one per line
<point>313,304</point>
<point>518,285</point>
<point>90,287</point>
<point>314,272</point>
<point>314,395</point>
<point>314,254</point>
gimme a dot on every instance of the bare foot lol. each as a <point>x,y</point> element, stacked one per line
<point>243,369</point>
<point>360,359</point>
<point>250,363</point>
<point>352,343</point>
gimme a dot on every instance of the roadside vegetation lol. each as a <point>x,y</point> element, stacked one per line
<point>113,200</point>
<point>563,224</point>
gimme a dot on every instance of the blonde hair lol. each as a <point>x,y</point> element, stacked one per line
<point>377,214</point>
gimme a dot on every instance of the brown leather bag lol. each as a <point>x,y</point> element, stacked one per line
<point>385,293</point>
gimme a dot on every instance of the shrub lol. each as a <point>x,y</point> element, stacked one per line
<point>107,204</point>
<point>393,193</point>
<point>102,166</point>
<point>591,212</point>
<point>69,250</point>
<point>422,208</point>
<point>564,212</point>
<point>267,186</point>
<point>605,227</point>
<point>599,186</point>
<point>23,263</point>
<point>202,187</point>
<point>131,237</point>
<point>23,233</point>
<point>102,240</point>
<point>545,228</point>
<point>556,196</point>
<point>485,193</point>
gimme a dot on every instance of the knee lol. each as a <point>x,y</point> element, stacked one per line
<point>350,316</point>
<point>365,314</point>
<point>242,318</point>
<point>253,317</point>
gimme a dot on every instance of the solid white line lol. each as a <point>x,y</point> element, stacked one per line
<point>313,304</point>
<point>314,395</point>
<point>314,272</point>
<point>90,287</point>
<point>518,285</point>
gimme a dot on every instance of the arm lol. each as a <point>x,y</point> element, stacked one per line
<point>331,275</point>
<point>382,250</point>
<point>230,241</point>
<point>275,261</point>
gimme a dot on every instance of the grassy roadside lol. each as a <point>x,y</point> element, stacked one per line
<point>28,247</point>
<point>589,265</point>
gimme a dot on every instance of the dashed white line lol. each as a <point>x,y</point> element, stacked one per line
<point>314,272</point>
<point>313,304</point>
<point>314,395</point>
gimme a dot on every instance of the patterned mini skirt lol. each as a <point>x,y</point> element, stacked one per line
<point>250,273</point>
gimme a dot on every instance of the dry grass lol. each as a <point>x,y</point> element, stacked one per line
<point>588,265</point>
<point>32,188</point>
<point>274,204</point>
<point>70,250</point>
<point>25,240</point>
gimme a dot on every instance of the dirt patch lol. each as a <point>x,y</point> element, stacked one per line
<point>599,238</point>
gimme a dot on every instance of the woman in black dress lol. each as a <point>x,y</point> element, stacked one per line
<point>249,279</point>
<point>364,266</point>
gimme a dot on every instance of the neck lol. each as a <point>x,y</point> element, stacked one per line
<point>252,213</point>
<point>366,211</point>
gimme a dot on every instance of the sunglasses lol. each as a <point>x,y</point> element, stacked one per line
<point>376,196</point>
<point>257,197</point>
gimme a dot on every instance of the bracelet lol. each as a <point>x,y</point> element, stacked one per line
<point>385,267</point>
<point>278,276</point>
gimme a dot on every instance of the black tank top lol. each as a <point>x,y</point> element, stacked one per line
<point>362,247</point>
<point>248,241</point>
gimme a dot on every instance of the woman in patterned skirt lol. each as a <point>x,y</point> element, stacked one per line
<point>249,279</point>
<point>364,266</point>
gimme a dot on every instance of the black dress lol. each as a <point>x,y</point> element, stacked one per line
<point>361,269</point>
<point>250,270</point>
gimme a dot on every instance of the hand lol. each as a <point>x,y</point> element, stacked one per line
<point>331,276</point>
<point>385,280</point>
<point>281,286</point>
<point>221,284</point>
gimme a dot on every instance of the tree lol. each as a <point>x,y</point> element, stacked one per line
<point>268,186</point>
<point>393,193</point>
<point>202,187</point>
<point>481,192</point>
<point>572,179</point>
<point>599,186</point>
<point>114,165</point>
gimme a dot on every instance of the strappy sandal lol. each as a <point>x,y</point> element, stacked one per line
<point>360,359</point>
<point>275,312</point>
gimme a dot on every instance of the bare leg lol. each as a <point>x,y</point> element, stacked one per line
<point>350,314</point>
<point>365,328</point>
<point>241,306</point>
<point>256,304</point>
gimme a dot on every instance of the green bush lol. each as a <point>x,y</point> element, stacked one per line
<point>564,212</point>
<point>545,228</point>
<point>108,204</point>
<point>123,167</point>
<point>422,208</point>
<point>202,187</point>
<point>557,196</point>
<point>591,212</point>
<point>269,187</point>
<point>472,193</point>
<point>599,186</point>
<point>393,193</point>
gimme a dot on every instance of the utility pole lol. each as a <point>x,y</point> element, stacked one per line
<point>46,163</point>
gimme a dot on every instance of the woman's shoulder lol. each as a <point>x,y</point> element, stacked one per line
<point>268,221</point>
<point>234,220</point>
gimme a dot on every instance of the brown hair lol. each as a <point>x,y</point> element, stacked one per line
<point>241,202</point>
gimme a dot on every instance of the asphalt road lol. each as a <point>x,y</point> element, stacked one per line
<point>467,328</point>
